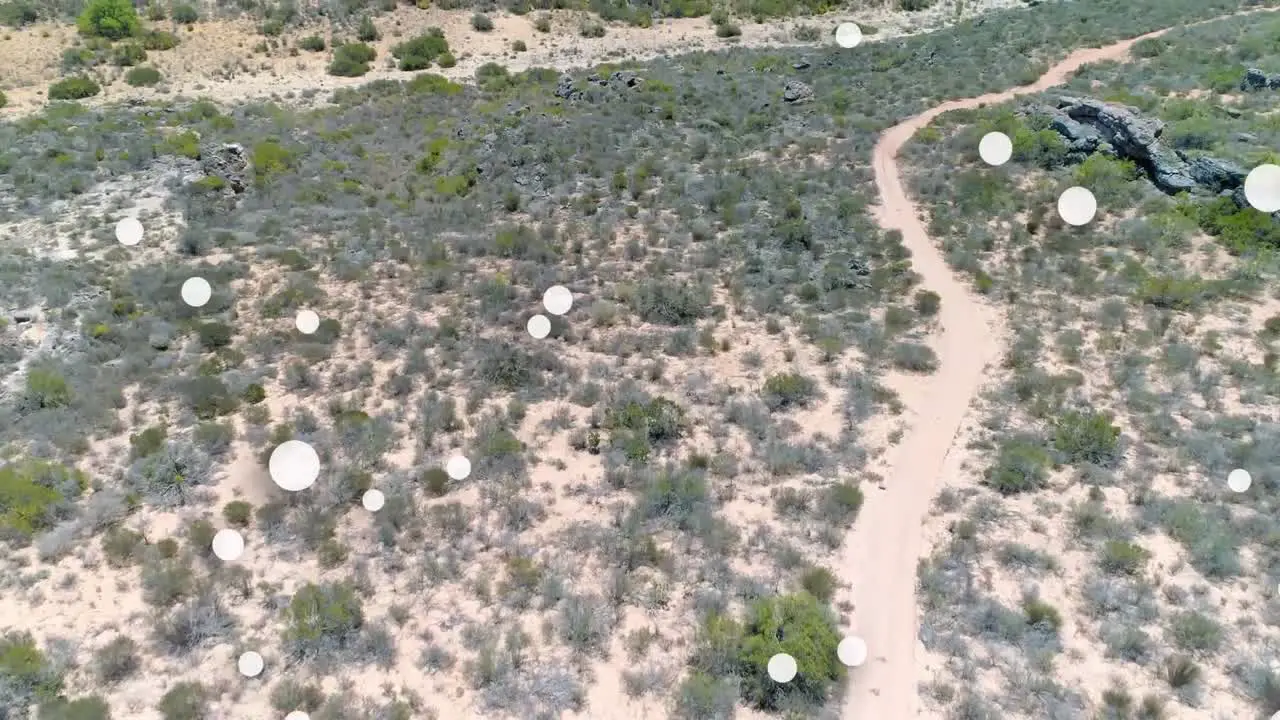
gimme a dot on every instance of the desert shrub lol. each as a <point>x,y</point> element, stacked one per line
<point>85,708</point>
<point>435,481</point>
<point>914,5</point>
<point>185,14</point>
<point>116,660</point>
<point>185,701</point>
<point>128,54</point>
<point>927,303</point>
<point>18,14</point>
<point>663,302</point>
<point>26,675</point>
<point>34,494</point>
<point>418,53</point>
<point>637,425</point>
<point>800,626</point>
<point>1196,632</point>
<point>143,77</point>
<point>728,30</point>
<point>542,23</point>
<point>209,397</point>
<point>159,40</point>
<point>914,357</point>
<point>1180,671</point>
<point>74,88</point>
<point>367,31</point>
<point>122,546</point>
<point>312,43</point>
<point>1040,613</point>
<point>704,697</point>
<point>591,29</point>
<point>446,60</point>
<point>214,335</point>
<point>1120,557</point>
<point>481,23</point>
<point>46,388</point>
<point>110,19</point>
<point>519,46</point>
<point>820,583</point>
<point>1022,464</point>
<point>352,60</point>
<point>788,390</point>
<point>1087,437</point>
<point>323,619</point>
<point>171,475</point>
<point>4,99</point>
<point>237,513</point>
<point>839,503</point>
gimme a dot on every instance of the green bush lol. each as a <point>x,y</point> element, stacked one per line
<point>4,99</point>
<point>1196,632</point>
<point>323,618</point>
<point>481,23</point>
<point>159,40</point>
<point>914,357</point>
<point>74,88</point>
<point>110,19</point>
<point>147,442</point>
<point>800,626</point>
<point>914,5</point>
<point>185,701</point>
<point>446,60</point>
<point>128,54</point>
<point>209,397</point>
<point>367,32</point>
<point>18,13</point>
<point>214,335</point>
<point>185,14</point>
<point>820,583</point>
<point>542,23</point>
<point>1021,465</point>
<point>85,708</point>
<point>591,29</point>
<point>34,494</point>
<point>1087,437</point>
<point>237,513</point>
<point>1120,557</point>
<point>927,303</point>
<point>312,43</point>
<point>785,391</point>
<point>143,77</point>
<point>418,53</point>
<point>45,389</point>
<point>116,660</point>
<point>25,673</point>
<point>352,60</point>
<point>1041,613</point>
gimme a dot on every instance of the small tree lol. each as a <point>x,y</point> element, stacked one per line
<point>802,627</point>
<point>111,19</point>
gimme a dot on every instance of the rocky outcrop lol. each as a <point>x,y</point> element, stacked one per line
<point>797,92</point>
<point>1255,80</point>
<point>228,162</point>
<point>1089,125</point>
<point>567,89</point>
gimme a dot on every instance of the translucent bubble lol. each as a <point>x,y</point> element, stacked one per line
<point>458,467</point>
<point>557,300</point>
<point>1262,188</point>
<point>1239,480</point>
<point>995,148</point>
<point>852,651</point>
<point>228,545</point>
<point>1077,206</point>
<point>294,465</point>
<point>250,664</point>
<point>539,326</point>
<point>848,35</point>
<point>129,231</point>
<point>782,668</point>
<point>196,292</point>
<point>373,500</point>
<point>297,715</point>
<point>307,321</point>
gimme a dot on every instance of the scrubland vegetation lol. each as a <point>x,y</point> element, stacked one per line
<point>658,487</point>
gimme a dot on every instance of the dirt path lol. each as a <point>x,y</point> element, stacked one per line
<point>882,550</point>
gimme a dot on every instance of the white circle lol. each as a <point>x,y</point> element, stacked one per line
<point>848,35</point>
<point>228,545</point>
<point>995,148</point>
<point>250,664</point>
<point>1262,188</point>
<point>196,291</point>
<point>307,321</point>
<point>129,231</point>
<point>297,715</point>
<point>458,467</point>
<point>1239,480</point>
<point>539,326</point>
<point>782,668</point>
<point>557,300</point>
<point>852,651</point>
<point>294,465</point>
<point>1077,206</point>
<point>373,500</point>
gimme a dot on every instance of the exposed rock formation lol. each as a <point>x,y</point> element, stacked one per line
<point>567,89</point>
<point>228,162</point>
<point>797,92</point>
<point>1255,80</point>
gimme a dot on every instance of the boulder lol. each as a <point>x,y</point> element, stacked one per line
<point>229,162</point>
<point>1216,175</point>
<point>797,92</point>
<point>1253,80</point>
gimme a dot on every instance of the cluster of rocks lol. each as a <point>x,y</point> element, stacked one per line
<point>796,92</point>
<point>567,89</point>
<point>230,163</point>
<point>1255,80</point>
<point>1090,126</point>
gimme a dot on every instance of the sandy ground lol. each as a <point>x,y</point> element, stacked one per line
<point>881,552</point>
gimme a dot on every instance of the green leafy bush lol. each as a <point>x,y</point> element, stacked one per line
<point>1087,437</point>
<point>185,14</point>
<point>1120,557</point>
<point>110,19</point>
<point>46,388</point>
<point>34,494</point>
<point>367,31</point>
<point>481,23</point>
<point>25,672</point>
<point>1021,465</point>
<point>785,391</point>
<point>143,77</point>
<point>418,53</point>
<point>159,40</point>
<point>312,43</point>
<point>352,60</point>
<point>128,54</point>
<point>800,626</point>
<point>74,88</point>
<point>323,618</point>
<point>85,708</point>
<point>185,701</point>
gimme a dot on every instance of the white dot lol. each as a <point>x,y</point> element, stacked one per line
<point>294,465</point>
<point>995,148</point>
<point>539,326</point>
<point>250,664</point>
<point>848,35</point>
<point>782,668</point>
<point>307,321</point>
<point>297,715</point>
<point>228,545</point>
<point>373,500</point>
<point>1077,206</point>
<point>129,231</point>
<point>852,651</point>
<point>196,291</point>
<point>458,467</point>
<point>557,300</point>
<point>1239,480</point>
<point>1262,188</point>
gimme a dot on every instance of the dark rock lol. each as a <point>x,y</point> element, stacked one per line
<point>161,336</point>
<point>1216,175</point>
<point>24,316</point>
<point>228,162</point>
<point>797,92</point>
<point>802,65</point>
<point>1273,83</point>
<point>1245,137</point>
<point>1253,80</point>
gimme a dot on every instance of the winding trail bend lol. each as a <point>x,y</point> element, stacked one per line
<point>881,552</point>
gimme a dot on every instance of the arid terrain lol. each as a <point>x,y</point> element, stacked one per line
<point>480,362</point>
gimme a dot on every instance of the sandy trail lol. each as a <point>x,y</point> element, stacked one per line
<point>882,550</point>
